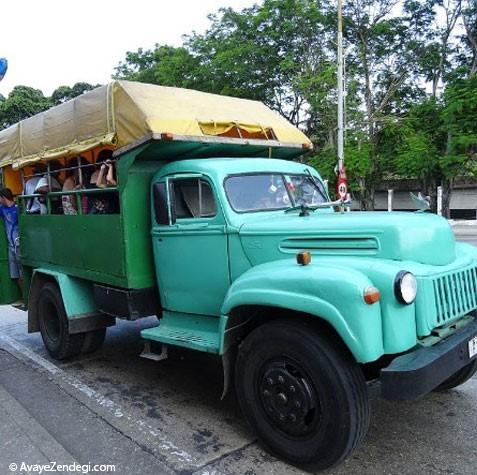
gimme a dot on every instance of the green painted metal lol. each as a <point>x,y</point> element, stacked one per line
<point>206,268</point>
<point>110,249</point>
<point>350,252</point>
<point>136,219</point>
<point>396,236</point>
<point>193,264</point>
<point>183,150</point>
<point>86,246</point>
<point>77,294</point>
<point>9,291</point>
<point>190,331</point>
<point>330,292</point>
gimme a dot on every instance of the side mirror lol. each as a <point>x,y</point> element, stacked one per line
<point>159,193</point>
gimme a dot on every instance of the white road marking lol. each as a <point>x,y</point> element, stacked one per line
<point>166,447</point>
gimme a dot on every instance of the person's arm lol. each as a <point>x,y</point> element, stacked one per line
<point>110,181</point>
<point>99,180</point>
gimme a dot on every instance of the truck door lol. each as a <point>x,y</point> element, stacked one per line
<point>190,245</point>
<point>9,291</point>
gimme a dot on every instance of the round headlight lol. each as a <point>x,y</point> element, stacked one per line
<point>405,287</point>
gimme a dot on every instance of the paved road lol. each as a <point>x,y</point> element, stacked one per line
<point>466,231</point>
<point>167,417</point>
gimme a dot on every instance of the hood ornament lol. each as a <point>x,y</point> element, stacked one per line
<point>422,203</point>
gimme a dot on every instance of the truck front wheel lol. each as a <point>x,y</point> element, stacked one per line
<point>302,393</point>
<point>53,324</point>
<point>460,377</point>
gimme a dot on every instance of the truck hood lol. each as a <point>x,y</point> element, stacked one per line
<point>419,237</point>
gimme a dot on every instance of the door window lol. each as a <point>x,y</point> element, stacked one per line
<point>192,198</point>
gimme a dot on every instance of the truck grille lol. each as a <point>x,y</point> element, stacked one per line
<point>444,298</point>
<point>455,294</point>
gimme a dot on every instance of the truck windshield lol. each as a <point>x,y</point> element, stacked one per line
<point>265,192</point>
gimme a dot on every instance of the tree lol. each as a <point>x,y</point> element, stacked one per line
<point>275,52</point>
<point>383,50</point>
<point>439,50</point>
<point>460,116</point>
<point>65,93</point>
<point>165,65</point>
<point>22,102</point>
<point>469,17</point>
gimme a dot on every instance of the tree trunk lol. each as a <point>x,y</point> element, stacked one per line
<point>429,188</point>
<point>366,195</point>
<point>447,186</point>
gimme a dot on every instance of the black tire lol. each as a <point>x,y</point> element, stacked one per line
<point>93,340</point>
<point>460,377</point>
<point>316,411</point>
<point>53,324</point>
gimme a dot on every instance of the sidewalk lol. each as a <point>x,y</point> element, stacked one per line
<point>41,423</point>
<point>22,438</point>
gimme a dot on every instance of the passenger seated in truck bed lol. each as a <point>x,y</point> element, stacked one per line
<point>46,185</point>
<point>75,179</point>
<point>33,205</point>
<point>104,177</point>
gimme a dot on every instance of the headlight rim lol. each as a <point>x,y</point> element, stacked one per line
<point>398,289</point>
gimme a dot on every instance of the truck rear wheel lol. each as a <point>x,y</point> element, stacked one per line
<point>304,395</point>
<point>460,377</point>
<point>53,324</point>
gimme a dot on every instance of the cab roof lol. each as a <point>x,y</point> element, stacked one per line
<point>221,167</point>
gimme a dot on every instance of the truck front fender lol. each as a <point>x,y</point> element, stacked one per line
<point>332,293</point>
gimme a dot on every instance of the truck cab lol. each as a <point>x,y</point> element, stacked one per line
<point>234,243</point>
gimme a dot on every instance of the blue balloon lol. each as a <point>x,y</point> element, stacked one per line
<point>3,67</point>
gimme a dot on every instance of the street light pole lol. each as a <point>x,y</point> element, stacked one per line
<point>340,88</point>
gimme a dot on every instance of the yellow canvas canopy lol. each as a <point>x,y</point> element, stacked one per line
<point>123,112</point>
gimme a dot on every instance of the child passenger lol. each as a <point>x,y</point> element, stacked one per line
<point>9,213</point>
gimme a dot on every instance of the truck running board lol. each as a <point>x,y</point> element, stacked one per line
<point>189,331</point>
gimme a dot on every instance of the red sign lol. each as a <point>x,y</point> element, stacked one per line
<point>342,184</point>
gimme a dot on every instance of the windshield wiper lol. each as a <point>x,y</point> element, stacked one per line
<point>316,183</point>
<point>304,209</point>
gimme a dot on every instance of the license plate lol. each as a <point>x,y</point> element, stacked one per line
<point>473,347</point>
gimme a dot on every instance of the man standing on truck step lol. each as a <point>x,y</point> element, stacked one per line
<point>9,213</point>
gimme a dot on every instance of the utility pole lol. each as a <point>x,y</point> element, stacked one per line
<point>340,88</point>
<point>342,182</point>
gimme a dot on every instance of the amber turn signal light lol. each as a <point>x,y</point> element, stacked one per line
<point>371,294</point>
<point>303,258</point>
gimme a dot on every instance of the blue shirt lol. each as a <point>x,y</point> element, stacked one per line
<point>10,218</point>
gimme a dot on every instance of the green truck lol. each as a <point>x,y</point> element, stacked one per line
<point>235,245</point>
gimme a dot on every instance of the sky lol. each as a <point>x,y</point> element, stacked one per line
<point>50,43</point>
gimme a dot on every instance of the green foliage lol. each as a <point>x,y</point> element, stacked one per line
<point>411,104</point>
<point>21,103</point>
<point>65,93</point>
<point>460,116</point>
<point>164,65</point>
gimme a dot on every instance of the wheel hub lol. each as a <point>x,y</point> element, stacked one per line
<point>288,398</point>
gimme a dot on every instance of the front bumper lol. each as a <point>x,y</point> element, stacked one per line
<point>417,373</point>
